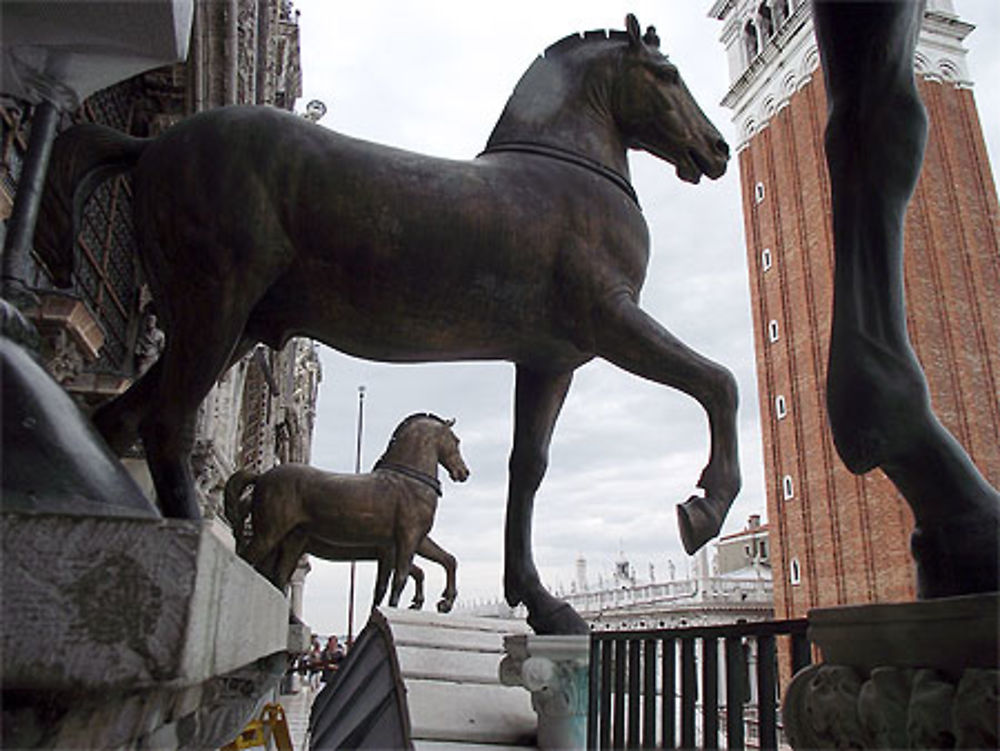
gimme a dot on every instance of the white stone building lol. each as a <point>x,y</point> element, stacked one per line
<point>733,586</point>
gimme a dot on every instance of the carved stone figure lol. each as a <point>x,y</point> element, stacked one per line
<point>149,344</point>
<point>877,395</point>
<point>533,252</point>
<point>385,514</point>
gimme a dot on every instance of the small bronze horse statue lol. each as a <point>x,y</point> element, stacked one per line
<point>385,514</point>
<point>255,226</point>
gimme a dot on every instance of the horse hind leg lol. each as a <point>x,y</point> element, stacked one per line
<point>198,349</point>
<point>291,549</point>
<point>634,341</point>
<point>118,420</point>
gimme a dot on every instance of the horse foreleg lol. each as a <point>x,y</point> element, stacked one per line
<point>538,398</point>
<point>634,341</point>
<point>434,552</point>
<point>405,546</point>
<point>417,574</point>
<point>877,394</point>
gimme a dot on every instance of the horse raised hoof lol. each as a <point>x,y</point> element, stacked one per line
<point>699,520</point>
<point>444,605</point>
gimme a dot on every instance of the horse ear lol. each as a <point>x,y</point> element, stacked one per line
<point>634,32</point>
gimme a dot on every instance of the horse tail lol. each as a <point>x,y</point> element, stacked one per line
<point>236,511</point>
<point>83,157</point>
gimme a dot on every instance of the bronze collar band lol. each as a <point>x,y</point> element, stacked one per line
<point>414,474</point>
<point>572,157</point>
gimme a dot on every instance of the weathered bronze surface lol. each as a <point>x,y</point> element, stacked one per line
<point>256,225</point>
<point>384,515</point>
<point>877,395</point>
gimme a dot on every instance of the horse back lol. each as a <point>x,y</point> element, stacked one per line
<point>324,235</point>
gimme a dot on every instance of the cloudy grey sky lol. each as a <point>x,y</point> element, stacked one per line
<point>432,77</point>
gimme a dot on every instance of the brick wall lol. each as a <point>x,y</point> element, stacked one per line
<point>850,535</point>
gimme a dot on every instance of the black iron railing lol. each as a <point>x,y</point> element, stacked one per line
<point>691,687</point>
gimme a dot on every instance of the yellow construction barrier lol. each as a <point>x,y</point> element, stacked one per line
<point>255,734</point>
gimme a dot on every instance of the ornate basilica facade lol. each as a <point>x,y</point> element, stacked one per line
<point>101,333</point>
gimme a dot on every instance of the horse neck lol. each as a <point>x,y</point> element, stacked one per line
<point>415,451</point>
<point>560,105</point>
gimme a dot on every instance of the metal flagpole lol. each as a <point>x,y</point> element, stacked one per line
<point>357,470</point>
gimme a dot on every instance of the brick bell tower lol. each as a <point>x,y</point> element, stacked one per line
<point>837,538</point>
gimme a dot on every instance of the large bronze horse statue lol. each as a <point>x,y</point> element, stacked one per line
<point>255,225</point>
<point>385,515</point>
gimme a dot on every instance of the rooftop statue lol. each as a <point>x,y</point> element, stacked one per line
<point>877,395</point>
<point>255,226</point>
<point>384,515</point>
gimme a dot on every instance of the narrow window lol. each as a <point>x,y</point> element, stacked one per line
<point>766,20</point>
<point>795,571</point>
<point>763,550</point>
<point>787,489</point>
<point>758,192</point>
<point>765,259</point>
<point>750,40</point>
<point>780,409</point>
<point>772,330</point>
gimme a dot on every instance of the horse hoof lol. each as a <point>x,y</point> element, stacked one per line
<point>561,620</point>
<point>444,606</point>
<point>416,606</point>
<point>698,521</point>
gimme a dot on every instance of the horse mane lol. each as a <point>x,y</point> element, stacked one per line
<point>416,416</point>
<point>569,43</point>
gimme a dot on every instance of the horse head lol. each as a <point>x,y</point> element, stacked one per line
<point>449,456</point>
<point>656,112</point>
<point>600,93</point>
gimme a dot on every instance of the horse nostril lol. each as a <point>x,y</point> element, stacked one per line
<point>722,147</point>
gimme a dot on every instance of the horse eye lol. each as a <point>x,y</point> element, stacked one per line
<point>669,74</point>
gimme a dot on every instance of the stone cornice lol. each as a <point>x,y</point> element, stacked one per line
<point>791,56</point>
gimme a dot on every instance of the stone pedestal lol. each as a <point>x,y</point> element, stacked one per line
<point>912,675</point>
<point>555,670</point>
<point>138,633</point>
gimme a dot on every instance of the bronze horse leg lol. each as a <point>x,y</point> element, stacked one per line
<point>287,555</point>
<point>118,421</point>
<point>406,545</point>
<point>417,574</point>
<point>633,340</point>
<point>196,351</point>
<point>384,559</point>
<point>877,395</point>
<point>434,552</point>
<point>538,398</point>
